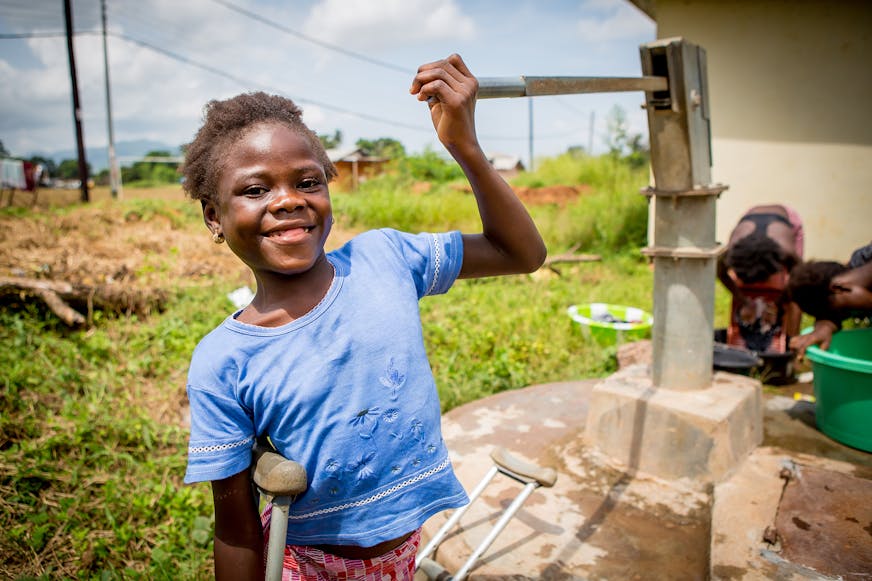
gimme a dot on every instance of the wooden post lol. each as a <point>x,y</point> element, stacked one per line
<point>77,110</point>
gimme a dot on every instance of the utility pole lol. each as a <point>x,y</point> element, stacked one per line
<point>530,109</point>
<point>114,174</point>
<point>77,111</point>
<point>590,133</point>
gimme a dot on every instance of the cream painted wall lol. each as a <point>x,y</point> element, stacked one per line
<point>790,86</point>
<point>828,185</point>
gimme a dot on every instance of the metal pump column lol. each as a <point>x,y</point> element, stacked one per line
<point>684,249</point>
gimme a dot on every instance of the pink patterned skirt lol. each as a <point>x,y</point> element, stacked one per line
<point>303,563</point>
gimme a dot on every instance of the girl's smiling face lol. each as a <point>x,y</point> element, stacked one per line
<point>273,204</point>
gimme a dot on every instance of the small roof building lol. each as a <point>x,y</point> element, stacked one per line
<point>354,167</point>
<point>506,165</point>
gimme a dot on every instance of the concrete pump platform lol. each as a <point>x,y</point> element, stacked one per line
<point>606,520</point>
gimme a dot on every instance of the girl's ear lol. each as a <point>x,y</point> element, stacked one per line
<point>210,215</point>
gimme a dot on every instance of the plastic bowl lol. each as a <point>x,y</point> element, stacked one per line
<point>630,323</point>
<point>843,387</point>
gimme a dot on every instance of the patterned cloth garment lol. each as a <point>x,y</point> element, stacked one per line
<point>303,563</point>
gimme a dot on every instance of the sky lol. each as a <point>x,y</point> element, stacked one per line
<point>347,63</point>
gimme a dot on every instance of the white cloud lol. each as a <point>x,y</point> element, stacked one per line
<point>388,23</point>
<point>157,96</point>
<point>613,21</point>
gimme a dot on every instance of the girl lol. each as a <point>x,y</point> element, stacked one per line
<point>831,292</point>
<point>328,359</point>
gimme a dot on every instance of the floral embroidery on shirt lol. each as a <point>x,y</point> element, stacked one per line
<point>393,379</point>
<point>391,415</point>
<point>363,466</point>
<point>417,430</point>
<point>367,420</point>
<point>333,469</point>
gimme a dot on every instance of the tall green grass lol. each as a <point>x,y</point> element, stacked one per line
<point>611,216</point>
<point>89,483</point>
<point>392,201</point>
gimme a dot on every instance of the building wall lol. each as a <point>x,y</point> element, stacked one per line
<point>790,87</point>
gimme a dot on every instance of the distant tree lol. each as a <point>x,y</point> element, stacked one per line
<point>155,172</point>
<point>68,169</point>
<point>621,143</point>
<point>576,151</point>
<point>331,141</point>
<point>102,177</point>
<point>3,151</point>
<point>430,166</point>
<point>640,152</point>
<point>617,131</point>
<point>382,147</point>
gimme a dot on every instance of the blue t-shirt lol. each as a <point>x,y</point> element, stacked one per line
<point>345,390</point>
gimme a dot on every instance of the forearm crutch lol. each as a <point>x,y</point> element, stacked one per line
<point>530,475</point>
<point>279,480</point>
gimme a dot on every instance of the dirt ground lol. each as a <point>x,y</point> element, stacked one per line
<point>560,195</point>
<point>103,243</point>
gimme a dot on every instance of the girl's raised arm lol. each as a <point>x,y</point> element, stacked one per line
<point>509,243</point>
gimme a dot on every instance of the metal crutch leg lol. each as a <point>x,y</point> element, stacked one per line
<point>530,475</point>
<point>280,480</point>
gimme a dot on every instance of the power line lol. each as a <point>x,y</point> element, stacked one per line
<point>41,34</point>
<point>219,72</point>
<point>321,43</point>
<point>247,83</point>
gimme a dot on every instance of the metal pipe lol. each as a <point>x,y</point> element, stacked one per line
<point>498,528</point>
<point>449,524</point>
<point>524,86</point>
<point>278,530</point>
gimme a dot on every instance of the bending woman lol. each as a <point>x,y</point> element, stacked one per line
<point>765,245</point>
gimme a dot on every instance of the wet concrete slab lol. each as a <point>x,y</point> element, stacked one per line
<point>602,521</point>
<point>597,522</point>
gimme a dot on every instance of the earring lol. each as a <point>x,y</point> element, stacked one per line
<point>217,237</point>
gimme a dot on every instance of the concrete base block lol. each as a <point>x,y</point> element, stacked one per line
<point>701,434</point>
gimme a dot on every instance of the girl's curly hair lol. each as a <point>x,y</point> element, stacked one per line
<point>756,257</point>
<point>809,287</point>
<point>224,122</point>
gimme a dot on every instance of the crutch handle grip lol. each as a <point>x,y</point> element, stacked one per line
<point>522,470</point>
<point>276,475</point>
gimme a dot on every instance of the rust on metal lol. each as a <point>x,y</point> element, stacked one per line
<point>824,522</point>
<point>684,252</point>
<point>711,190</point>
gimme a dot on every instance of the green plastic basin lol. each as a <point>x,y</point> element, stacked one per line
<point>843,387</point>
<point>632,323</point>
